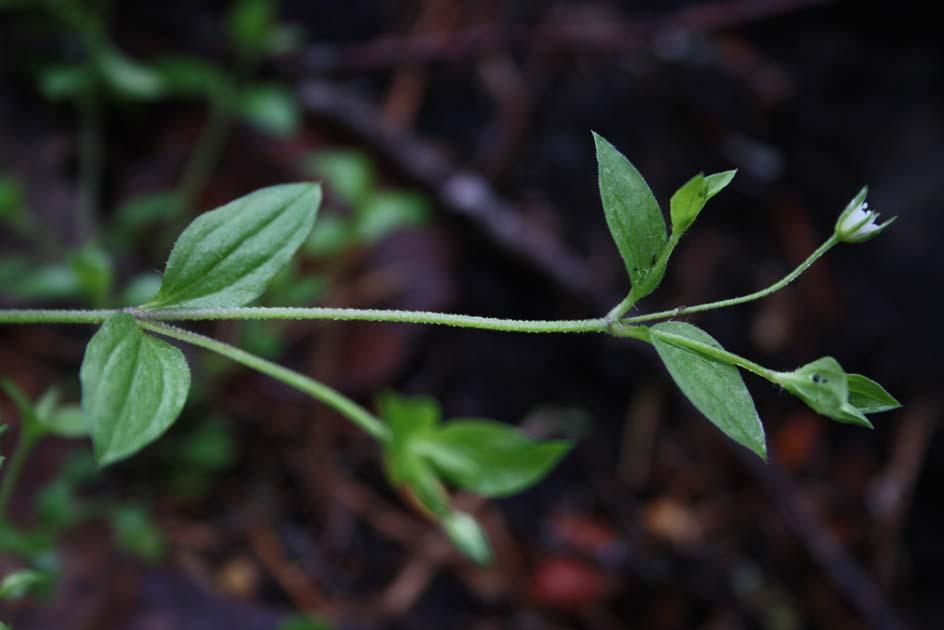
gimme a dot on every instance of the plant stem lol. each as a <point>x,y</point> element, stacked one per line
<point>381,315</point>
<point>334,399</point>
<point>11,475</point>
<point>596,325</point>
<point>831,242</point>
<point>54,316</point>
<point>657,270</point>
<point>718,354</point>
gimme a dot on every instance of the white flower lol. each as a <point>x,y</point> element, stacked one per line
<point>857,223</point>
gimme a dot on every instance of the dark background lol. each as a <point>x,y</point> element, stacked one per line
<point>655,520</point>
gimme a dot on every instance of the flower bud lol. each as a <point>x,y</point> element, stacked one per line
<point>857,223</point>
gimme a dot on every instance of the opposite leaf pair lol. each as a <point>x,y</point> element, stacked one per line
<point>486,458</point>
<point>135,385</point>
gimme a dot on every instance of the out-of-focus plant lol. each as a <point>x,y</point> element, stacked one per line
<point>228,257</point>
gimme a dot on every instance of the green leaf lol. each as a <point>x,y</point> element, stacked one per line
<point>94,271</point>
<point>716,389</point>
<point>249,25</point>
<point>136,533</point>
<point>68,421</point>
<point>133,387</point>
<point>824,386</point>
<point>489,458</point>
<point>868,396</point>
<point>191,77</point>
<point>28,415</point>
<point>408,418</point>
<point>349,175</point>
<point>64,82</point>
<point>21,583</point>
<point>468,537</point>
<point>385,212</point>
<point>303,622</point>
<point>271,108</point>
<point>687,202</point>
<point>716,182</point>
<point>226,256</point>
<point>129,78</point>
<point>632,212</point>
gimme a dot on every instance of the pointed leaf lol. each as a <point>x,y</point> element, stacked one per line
<point>227,256</point>
<point>868,396</point>
<point>716,182</point>
<point>133,387</point>
<point>716,389</point>
<point>468,537</point>
<point>489,458</point>
<point>632,211</point>
<point>687,202</point>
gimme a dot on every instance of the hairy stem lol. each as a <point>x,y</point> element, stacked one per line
<point>718,354</point>
<point>334,399</point>
<point>831,242</point>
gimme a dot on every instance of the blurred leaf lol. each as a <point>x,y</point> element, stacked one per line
<point>127,77</point>
<point>209,446</point>
<point>141,289</point>
<point>64,82</point>
<point>489,458</point>
<point>136,533</point>
<point>271,108</point>
<point>94,271</point>
<point>12,204</point>
<point>303,622</point>
<point>331,236</point>
<point>716,389</point>
<point>21,583</point>
<point>349,175</point>
<point>58,508</point>
<point>123,364</point>
<point>387,211</point>
<point>468,537</point>
<point>227,256</point>
<point>191,77</point>
<point>35,547</point>
<point>249,25</point>
<point>632,213</point>
<point>868,396</point>
<point>141,213</point>
<point>68,421</point>
<point>29,418</point>
<point>47,282</point>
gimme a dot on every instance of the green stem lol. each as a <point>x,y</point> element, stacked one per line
<point>596,325</point>
<point>54,316</point>
<point>381,315</point>
<point>656,272</point>
<point>334,399</point>
<point>24,445</point>
<point>719,354</point>
<point>831,242</point>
